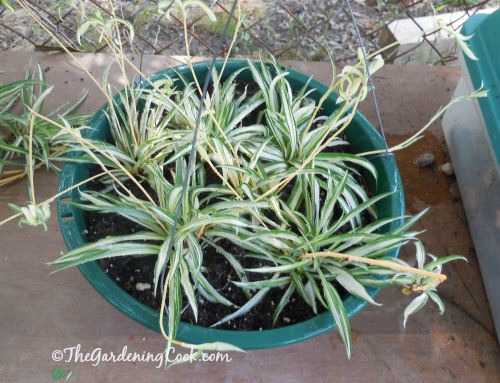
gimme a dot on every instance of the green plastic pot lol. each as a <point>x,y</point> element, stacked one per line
<point>360,133</point>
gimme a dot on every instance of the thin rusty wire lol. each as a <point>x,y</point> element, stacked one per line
<point>64,26</point>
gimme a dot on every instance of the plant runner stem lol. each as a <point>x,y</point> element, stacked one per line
<point>376,262</point>
<point>19,174</point>
<point>9,172</point>
<point>54,197</point>
<point>16,175</point>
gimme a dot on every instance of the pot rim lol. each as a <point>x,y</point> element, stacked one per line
<point>72,228</point>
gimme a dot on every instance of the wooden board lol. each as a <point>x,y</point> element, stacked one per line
<point>41,313</point>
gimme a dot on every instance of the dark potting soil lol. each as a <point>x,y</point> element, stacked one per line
<point>135,275</point>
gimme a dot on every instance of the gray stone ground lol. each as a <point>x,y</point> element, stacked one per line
<point>288,29</point>
<point>293,29</point>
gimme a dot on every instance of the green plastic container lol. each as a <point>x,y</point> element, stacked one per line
<point>485,43</point>
<point>362,136</point>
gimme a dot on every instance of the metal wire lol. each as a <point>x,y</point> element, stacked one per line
<point>370,79</point>
<point>192,154</point>
<point>258,32</point>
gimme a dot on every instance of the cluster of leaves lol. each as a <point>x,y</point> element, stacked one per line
<point>270,176</point>
<point>263,170</point>
<point>28,141</point>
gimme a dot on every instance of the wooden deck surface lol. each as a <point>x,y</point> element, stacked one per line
<point>41,313</point>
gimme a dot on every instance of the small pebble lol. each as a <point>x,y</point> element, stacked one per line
<point>447,168</point>
<point>139,286</point>
<point>286,320</point>
<point>117,279</point>
<point>454,191</point>
<point>425,160</point>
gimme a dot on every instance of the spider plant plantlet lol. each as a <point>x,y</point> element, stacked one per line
<point>24,137</point>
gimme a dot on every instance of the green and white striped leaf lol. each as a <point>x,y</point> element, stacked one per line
<point>437,300</point>
<point>348,282</point>
<point>336,307</point>
<point>415,305</point>
<point>255,300</point>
